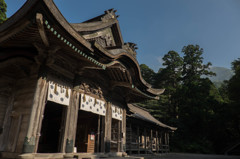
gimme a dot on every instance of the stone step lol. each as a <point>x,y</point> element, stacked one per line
<point>48,156</point>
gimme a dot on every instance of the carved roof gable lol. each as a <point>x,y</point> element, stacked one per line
<point>104,29</point>
<point>104,37</point>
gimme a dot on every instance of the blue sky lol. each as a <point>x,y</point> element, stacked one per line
<point>158,26</point>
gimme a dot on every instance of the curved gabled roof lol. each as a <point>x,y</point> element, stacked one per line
<point>133,63</point>
<point>26,15</point>
<point>29,7</point>
<point>143,114</point>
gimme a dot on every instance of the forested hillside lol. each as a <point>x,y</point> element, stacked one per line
<point>207,117</point>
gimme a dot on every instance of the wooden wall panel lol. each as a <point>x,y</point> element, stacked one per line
<point>3,107</point>
<point>22,132</point>
<point>23,100</point>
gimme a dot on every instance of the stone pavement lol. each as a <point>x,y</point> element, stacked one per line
<point>187,156</point>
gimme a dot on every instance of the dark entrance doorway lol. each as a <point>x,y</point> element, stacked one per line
<point>116,135</point>
<point>52,128</point>
<point>89,132</point>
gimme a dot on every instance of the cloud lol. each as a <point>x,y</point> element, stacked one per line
<point>160,60</point>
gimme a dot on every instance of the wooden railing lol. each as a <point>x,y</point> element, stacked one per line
<point>156,142</point>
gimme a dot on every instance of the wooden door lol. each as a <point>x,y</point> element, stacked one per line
<point>91,143</point>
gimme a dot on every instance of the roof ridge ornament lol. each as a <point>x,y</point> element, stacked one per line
<point>131,48</point>
<point>109,14</point>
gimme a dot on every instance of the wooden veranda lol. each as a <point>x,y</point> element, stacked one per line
<point>145,134</point>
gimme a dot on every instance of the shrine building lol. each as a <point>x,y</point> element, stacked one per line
<point>66,89</point>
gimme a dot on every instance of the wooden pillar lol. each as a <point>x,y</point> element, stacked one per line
<point>160,142</point>
<point>102,134</point>
<point>168,142</point>
<point>130,138</point>
<point>108,127</point>
<point>145,142</point>
<point>124,130</point>
<point>119,137</point>
<point>138,143</point>
<point>157,142</point>
<point>41,116</point>
<point>98,134</point>
<point>31,140</point>
<point>71,123</point>
<point>165,141</point>
<point>151,137</point>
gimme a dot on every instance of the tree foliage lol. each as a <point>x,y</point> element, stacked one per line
<point>234,84</point>
<point>206,117</point>
<point>3,9</point>
<point>147,73</point>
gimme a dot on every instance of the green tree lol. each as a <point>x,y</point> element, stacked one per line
<point>233,110</point>
<point>234,82</point>
<point>169,78</point>
<point>206,117</point>
<point>197,102</point>
<point>171,74</point>
<point>152,105</point>
<point>3,9</point>
<point>193,67</point>
<point>147,73</point>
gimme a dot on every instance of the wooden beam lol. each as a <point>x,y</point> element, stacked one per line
<point>124,75</point>
<point>39,20</point>
<point>121,84</point>
<point>120,73</point>
<point>112,74</point>
<point>14,31</point>
<point>14,61</point>
<point>128,76</point>
<point>116,75</point>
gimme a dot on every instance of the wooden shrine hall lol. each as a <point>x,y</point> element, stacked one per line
<point>65,88</point>
<point>145,134</point>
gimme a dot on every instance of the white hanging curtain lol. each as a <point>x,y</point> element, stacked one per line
<point>58,93</point>
<point>117,113</point>
<point>91,104</point>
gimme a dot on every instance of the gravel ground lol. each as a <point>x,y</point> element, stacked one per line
<point>188,156</point>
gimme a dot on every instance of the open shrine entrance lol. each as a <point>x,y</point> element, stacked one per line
<point>116,135</point>
<point>89,135</point>
<point>52,129</point>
